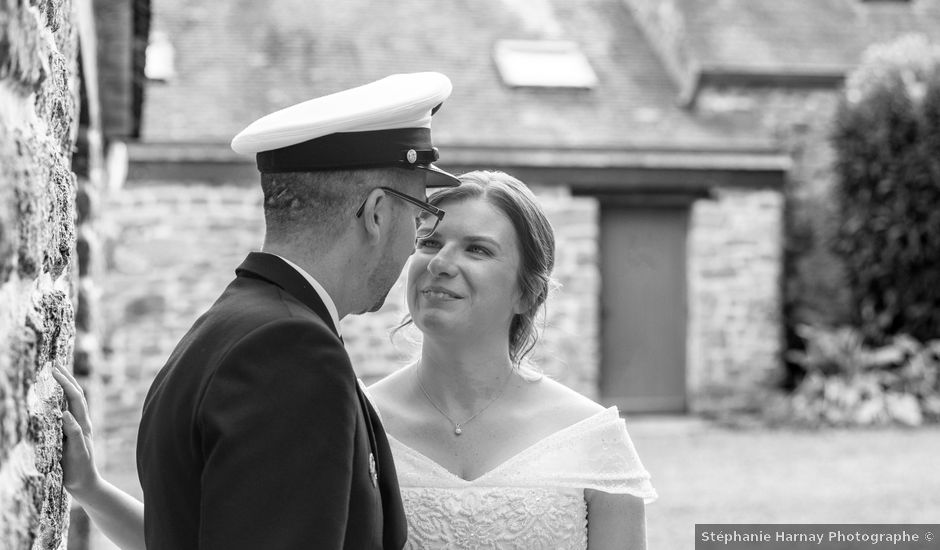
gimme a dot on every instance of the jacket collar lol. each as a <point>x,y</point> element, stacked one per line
<point>278,272</point>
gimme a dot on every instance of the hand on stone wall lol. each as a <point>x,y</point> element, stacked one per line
<point>79,472</point>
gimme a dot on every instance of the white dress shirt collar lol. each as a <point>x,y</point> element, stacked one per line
<point>324,295</point>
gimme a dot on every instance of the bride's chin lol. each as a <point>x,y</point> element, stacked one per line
<point>432,323</point>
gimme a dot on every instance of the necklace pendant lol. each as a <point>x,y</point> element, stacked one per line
<point>457,430</point>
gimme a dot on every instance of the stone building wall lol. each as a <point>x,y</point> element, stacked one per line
<point>38,124</point>
<point>735,321</point>
<point>176,246</point>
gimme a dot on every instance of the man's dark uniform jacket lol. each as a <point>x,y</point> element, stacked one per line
<point>256,435</point>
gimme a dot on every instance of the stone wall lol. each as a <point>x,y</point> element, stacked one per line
<point>735,325</point>
<point>38,104</point>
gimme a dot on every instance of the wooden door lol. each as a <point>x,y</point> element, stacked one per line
<point>643,307</point>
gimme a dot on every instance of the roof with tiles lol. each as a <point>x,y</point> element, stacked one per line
<point>238,60</point>
<point>773,36</point>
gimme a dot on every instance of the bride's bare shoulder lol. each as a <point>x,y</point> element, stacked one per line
<point>560,403</point>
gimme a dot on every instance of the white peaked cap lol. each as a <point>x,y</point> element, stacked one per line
<point>383,123</point>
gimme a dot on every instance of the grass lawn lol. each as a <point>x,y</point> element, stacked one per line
<point>708,474</point>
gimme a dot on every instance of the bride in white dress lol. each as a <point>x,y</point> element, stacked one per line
<point>488,452</point>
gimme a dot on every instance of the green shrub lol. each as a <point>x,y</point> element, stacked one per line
<point>887,144</point>
<point>849,383</point>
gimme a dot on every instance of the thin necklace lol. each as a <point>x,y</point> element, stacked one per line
<point>457,425</point>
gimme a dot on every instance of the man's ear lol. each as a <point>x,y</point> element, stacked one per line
<point>375,215</point>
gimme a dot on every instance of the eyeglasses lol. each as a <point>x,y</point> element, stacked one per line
<point>428,210</point>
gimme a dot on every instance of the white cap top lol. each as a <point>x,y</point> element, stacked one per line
<point>394,102</point>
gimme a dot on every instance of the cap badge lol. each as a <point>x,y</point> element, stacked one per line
<point>412,156</point>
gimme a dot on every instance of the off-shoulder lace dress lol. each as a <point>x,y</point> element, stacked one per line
<point>533,500</point>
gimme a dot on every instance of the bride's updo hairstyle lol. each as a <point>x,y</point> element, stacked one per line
<point>535,237</point>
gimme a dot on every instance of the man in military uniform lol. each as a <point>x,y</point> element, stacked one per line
<point>256,433</point>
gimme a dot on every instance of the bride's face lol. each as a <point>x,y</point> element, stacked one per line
<point>463,279</point>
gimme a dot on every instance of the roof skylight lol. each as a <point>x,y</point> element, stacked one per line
<point>543,64</point>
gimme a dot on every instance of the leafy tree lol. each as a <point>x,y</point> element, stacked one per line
<point>887,145</point>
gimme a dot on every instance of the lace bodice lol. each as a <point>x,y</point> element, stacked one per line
<point>533,500</point>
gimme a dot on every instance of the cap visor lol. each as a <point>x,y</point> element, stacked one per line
<point>438,177</point>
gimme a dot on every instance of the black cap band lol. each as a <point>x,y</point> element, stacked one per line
<point>405,147</point>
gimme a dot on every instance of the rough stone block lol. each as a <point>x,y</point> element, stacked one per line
<point>23,53</point>
<point>8,225</point>
<point>56,106</point>
<point>62,230</point>
<point>29,210</point>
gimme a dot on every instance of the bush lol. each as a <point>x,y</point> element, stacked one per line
<point>849,383</point>
<point>887,145</point>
